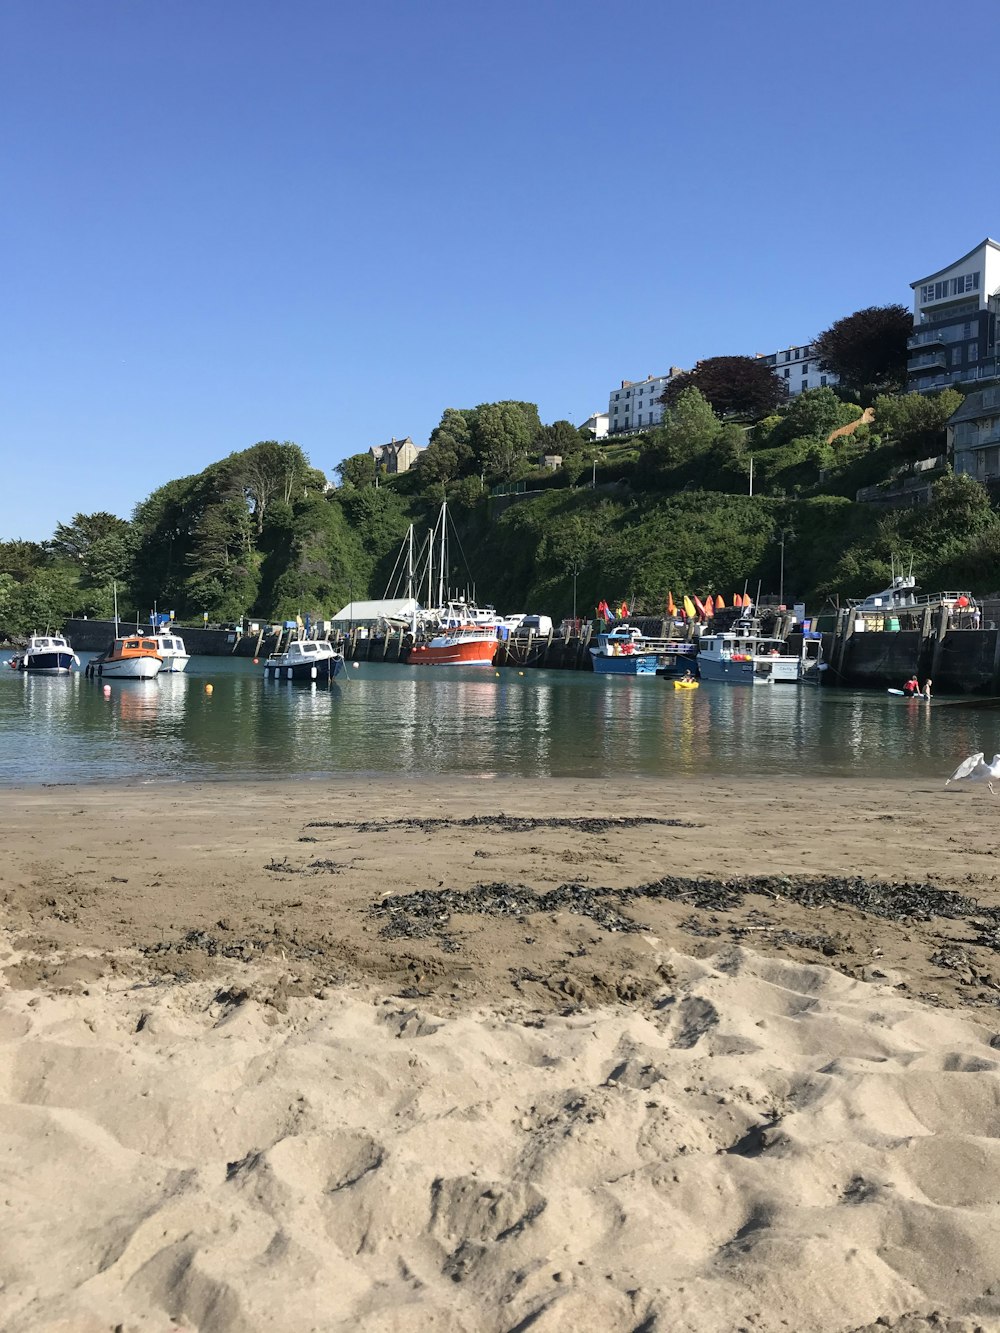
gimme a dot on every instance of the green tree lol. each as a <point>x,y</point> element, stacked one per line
<point>915,422</point>
<point>266,471</point>
<point>502,434</point>
<point>449,451</point>
<point>867,350</point>
<point>814,413</point>
<point>561,438</point>
<point>359,470</point>
<point>744,386</point>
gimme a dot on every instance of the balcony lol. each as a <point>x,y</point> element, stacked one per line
<point>936,359</point>
<point>925,339</point>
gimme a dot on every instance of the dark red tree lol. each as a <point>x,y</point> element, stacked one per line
<point>744,386</point>
<point>867,350</point>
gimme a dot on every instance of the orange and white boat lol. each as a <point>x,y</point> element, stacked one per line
<point>133,657</point>
<point>460,645</point>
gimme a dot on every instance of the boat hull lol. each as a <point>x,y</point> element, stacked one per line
<point>753,671</point>
<point>48,664</point>
<point>633,664</point>
<point>129,668</point>
<point>475,652</point>
<point>174,664</point>
<point>328,668</point>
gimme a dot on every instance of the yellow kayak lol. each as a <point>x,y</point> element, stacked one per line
<point>685,684</point>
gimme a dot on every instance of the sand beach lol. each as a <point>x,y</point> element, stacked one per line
<point>494,1055</point>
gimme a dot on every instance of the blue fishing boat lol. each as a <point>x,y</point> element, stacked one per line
<point>623,651</point>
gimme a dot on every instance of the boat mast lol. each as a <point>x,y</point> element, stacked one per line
<point>410,590</point>
<point>441,571</point>
<point>114,587</point>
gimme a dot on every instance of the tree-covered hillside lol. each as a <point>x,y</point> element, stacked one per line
<point>262,533</point>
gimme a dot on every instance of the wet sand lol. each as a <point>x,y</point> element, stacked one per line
<point>703,1056</point>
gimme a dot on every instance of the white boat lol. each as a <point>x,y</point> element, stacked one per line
<point>172,650</point>
<point>46,655</point>
<point>741,655</point>
<point>305,659</point>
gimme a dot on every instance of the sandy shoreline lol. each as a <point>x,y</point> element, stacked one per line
<point>687,1075</point>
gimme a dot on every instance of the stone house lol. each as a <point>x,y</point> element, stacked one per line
<point>396,456</point>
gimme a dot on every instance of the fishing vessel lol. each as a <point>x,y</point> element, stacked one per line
<point>459,645</point>
<point>623,651</point>
<point>46,655</point>
<point>305,659</point>
<point>741,655</point>
<point>131,657</point>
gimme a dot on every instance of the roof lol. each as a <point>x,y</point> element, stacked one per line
<point>955,262</point>
<point>395,607</point>
<point>981,402</point>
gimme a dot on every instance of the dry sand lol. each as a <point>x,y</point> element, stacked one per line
<point>236,1095</point>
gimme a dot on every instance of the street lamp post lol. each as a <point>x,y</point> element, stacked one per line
<point>575,571</point>
<point>782,534</point>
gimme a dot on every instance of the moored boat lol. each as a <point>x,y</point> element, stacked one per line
<point>623,651</point>
<point>46,655</point>
<point>741,655</point>
<point>459,645</point>
<point>132,657</point>
<point>305,659</point>
<point>174,654</point>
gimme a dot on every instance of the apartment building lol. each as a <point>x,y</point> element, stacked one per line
<point>798,366</point>
<point>954,322</point>
<point>636,404</point>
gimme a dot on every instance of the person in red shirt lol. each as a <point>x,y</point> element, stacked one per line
<point>912,688</point>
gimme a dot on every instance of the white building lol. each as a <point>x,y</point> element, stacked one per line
<point>636,405</point>
<point>954,321</point>
<point>799,368</point>
<point>598,423</point>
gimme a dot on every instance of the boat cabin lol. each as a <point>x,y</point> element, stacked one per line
<point>135,646</point>
<point>622,641</point>
<point>47,643</point>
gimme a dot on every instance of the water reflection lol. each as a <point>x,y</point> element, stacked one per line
<point>389,719</point>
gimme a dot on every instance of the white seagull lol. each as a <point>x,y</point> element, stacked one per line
<point>975,769</point>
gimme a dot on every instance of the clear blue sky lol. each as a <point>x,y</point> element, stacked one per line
<point>234,220</point>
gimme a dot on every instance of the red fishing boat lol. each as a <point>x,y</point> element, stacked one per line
<point>461,645</point>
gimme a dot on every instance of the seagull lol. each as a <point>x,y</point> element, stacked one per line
<point>975,769</point>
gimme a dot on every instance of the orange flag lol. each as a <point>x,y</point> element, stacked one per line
<point>671,609</point>
<point>737,599</point>
<point>709,606</point>
<point>719,603</point>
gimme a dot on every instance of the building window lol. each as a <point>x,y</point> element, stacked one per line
<point>786,373</point>
<point>956,356</point>
<point>822,381</point>
<point>616,399</point>
<point>973,354</point>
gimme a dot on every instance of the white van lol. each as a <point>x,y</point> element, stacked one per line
<point>538,624</point>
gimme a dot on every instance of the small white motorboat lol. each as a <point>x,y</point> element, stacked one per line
<point>46,655</point>
<point>305,659</point>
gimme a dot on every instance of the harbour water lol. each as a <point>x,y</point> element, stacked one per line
<point>403,720</point>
